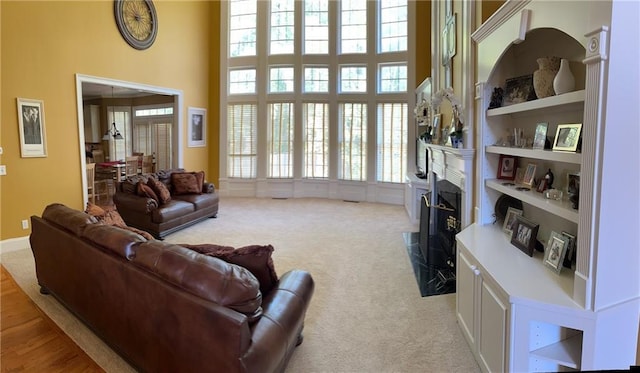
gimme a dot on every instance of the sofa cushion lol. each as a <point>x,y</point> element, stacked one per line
<point>160,190</point>
<point>185,183</point>
<point>144,190</point>
<point>94,210</point>
<point>73,220</point>
<point>174,209</point>
<point>255,258</point>
<point>200,201</point>
<point>206,277</point>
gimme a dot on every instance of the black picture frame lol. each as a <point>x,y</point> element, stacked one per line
<point>524,235</point>
<point>519,89</point>
<point>571,249</point>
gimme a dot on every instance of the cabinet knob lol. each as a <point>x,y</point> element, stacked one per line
<point>476,272</point>
<point>473,268</point>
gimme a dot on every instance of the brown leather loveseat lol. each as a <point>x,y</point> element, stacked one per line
<point>162,212</point>
<point>163,307</point>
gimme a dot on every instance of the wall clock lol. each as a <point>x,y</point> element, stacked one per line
<point>137,22</point>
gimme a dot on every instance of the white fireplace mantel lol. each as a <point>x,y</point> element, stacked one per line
<point>456,166</point>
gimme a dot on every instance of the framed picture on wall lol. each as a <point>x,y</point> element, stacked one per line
<point>31,123</point>
<point>197,127</point>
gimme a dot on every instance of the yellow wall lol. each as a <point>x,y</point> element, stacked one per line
<point>423,41</point>
<point>43,46</point>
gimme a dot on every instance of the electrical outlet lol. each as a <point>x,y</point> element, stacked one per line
<point>25,224</point>
<point>3,169</point>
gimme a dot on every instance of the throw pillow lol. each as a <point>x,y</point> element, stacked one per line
<point>160,190</point>
<point>185,183</point>
<point>94,210</point>
<point>144,190</point>
<point>256,258</point>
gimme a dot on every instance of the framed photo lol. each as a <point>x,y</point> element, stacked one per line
<point>197,130</point>
<point>567,137</point>
<point>519,175</point>
<point>510,219</point>
<point>519,90</point>
<point>437,123</point>
<point>542,185</point>
<point>444,48</point>
<point>524,235</point>
<point>529,174</point>
<point>555,251</point>
<point>540,137</point>
<point>507,167</point>
<point>32,133</point>
<point>571,249</point>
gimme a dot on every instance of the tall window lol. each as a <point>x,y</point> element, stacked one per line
<point>331,105</point>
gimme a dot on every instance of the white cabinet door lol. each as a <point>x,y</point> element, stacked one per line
<point>92,124</point>
<point>465,299</point>
<point>492,338</point>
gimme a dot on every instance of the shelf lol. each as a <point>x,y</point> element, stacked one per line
<point>566,352</point>
<point>524,279</point>
<point>541,103</point>
<point>562,208</point>
<point>547,155</point>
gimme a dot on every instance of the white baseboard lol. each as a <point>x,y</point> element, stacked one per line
<point>14,244</point>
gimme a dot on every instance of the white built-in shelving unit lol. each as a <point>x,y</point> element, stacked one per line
<point>516,314</point>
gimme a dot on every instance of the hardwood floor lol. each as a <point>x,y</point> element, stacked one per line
<point>30,341</point>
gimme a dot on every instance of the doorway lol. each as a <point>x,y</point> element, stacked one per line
<point>90,87</point>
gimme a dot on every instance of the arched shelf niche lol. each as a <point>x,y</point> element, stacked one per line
<point>520,59</point>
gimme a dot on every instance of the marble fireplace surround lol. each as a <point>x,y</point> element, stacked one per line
<point>456,166</point>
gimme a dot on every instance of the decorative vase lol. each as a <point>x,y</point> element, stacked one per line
<point>564,81</point>
<point>543,77</point>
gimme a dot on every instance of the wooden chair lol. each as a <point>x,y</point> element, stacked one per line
<point>139,155</point>
<point>131,166</point>
<point>147,164</point>
<point>98,156</point>
<point>96,188</point>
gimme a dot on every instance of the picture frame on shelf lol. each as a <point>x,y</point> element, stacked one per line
<point>540,136</point>
<point>542,185</point>
<point>518,90</point>
<point>529,174</point>
<point>555,252</point>
<point>571,248</point>
<point>519,175</point>
<point>507,167</point>
<point>436,128</point>
<point>33,141</point>
<point>510,219</point>
<point>197,130</point>
<point>524,235</point>
<point>567,137</point>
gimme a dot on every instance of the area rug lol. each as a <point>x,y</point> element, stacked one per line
<point>366,314</point>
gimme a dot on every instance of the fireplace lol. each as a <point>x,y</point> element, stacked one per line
<point>439,223</point>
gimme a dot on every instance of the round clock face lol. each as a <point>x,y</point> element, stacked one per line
<point>137,22</point>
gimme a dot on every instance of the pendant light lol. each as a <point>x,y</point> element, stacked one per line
<point>114,130</point>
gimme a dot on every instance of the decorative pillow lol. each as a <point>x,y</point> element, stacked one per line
<point>185,183</point>
<point>256,258</point>
<point>94,210</point>
<point>160,190</point>
<point>144,190</point>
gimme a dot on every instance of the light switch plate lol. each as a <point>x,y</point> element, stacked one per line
<point>3,170</point>
<point>1,150</point>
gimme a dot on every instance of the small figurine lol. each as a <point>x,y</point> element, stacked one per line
<point>549,178</point>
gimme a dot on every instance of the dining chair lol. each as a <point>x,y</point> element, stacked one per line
<point>131,166</point>
<point>139,155</point>
<point>96,188</point>
<point>147,164</point>
<point>98,156</point>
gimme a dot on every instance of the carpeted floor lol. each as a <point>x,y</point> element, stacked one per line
<point>366,315</point>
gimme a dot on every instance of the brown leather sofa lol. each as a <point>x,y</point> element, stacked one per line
<point>163,307</point>
<point>161,219</point>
